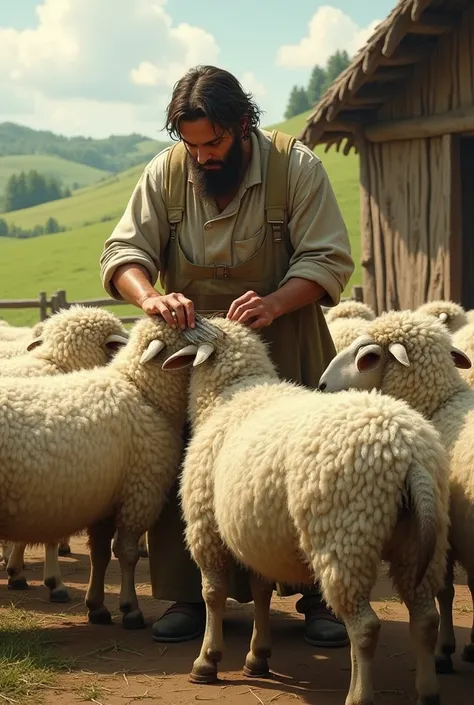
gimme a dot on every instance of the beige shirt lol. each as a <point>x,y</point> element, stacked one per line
<point>317,231</point>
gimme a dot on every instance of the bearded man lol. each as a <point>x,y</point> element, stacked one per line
<point>242,222</point>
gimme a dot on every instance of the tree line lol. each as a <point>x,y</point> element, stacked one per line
<point>302,99</point>
<point>12,230</point>
<point>28,189</point>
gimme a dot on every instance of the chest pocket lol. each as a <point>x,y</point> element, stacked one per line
<point>247,247</point>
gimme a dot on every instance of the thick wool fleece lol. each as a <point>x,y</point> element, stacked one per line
<point>77,448</point>
<point>345,330</point>
<point>297,484</point>
<point>73,339</point>
<point>464,340</point>
<point>452,315</point>
<point>350,309</point>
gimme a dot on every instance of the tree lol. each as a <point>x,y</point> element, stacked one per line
<point>316,84</point>
<point>26,190</point>
<point>298,102</point>
<point>3,228</point>
<point>335,66</point>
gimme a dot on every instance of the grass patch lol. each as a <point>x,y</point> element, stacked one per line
<point>28,665</point>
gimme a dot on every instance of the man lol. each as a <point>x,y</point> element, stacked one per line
<point>197,219</point>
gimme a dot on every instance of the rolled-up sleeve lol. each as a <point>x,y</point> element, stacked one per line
<point>322,250</point>
<point>140,236</point>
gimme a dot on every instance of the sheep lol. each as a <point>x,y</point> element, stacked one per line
<point>19,333</point>
<point>80,337</point>
<point>463,340</point>
<point>350,309</point>
<point>344,330</point>
<point>12,348</point>
<point>451,314</point>
<point>470,315</point>
<point>106,446</point>
<point>295,485</point>
<point>412,357</point>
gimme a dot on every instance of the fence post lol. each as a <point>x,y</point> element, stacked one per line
<point>43,306</point>
<point>61,300</point>
<point>358,293</point>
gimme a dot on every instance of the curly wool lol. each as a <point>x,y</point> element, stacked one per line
<point>350,309</point>
<point>451,314</point>
<point>105,441</point>
<point>73,339</point>
<point>297,484</point>
<point>345,330</point>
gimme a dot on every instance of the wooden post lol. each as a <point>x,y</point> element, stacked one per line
<point>43,306</point>
<point>358,293</point>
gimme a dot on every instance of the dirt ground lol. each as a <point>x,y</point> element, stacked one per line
<point>112,666</point>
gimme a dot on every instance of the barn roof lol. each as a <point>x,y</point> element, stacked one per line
<point>405,38</point>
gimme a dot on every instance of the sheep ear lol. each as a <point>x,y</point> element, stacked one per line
<point>443,317</point>
<point>205,350</point>
<point>180,359</point>
<point>460,359</point>
<point>34,344</point>
<point>153,349</point>
<point>368,358</point>
<point>399,353</point>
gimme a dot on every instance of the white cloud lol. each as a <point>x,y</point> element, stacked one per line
<point>329,30</point>
<point>100,66</point>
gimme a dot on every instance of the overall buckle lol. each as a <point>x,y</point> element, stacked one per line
<point>221,271</point>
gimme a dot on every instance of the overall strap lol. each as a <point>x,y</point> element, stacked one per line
<point>176,185</point>
<point>276,190</point>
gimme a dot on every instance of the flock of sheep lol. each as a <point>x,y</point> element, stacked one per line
<point>292,483</point>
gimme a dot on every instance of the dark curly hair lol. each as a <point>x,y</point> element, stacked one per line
<point>212,93</point>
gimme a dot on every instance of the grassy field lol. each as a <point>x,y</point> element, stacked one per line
<point>70,260</point>
<point>65,171</point>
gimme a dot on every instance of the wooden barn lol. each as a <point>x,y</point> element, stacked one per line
<point>406,104</point>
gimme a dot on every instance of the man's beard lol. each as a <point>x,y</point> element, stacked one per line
<point>212,183</point>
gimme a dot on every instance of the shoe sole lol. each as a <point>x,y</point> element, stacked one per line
<point>327,644</point>
<point>176,639</point>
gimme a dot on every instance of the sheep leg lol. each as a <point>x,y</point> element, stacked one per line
<point>446,644</point>
<point>52,575</point>
<point>256,664</point>
<point>7,548</point>
<point>142,547</point>
<point>15,566</point>
<point>424,622</point>
<point>100,537</point>
<point>363,627</point>
<point>64,548</point>
<point>468,653</point>
<point>214,592</point>
<point>128,555</point>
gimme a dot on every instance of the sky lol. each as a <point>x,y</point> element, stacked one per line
<point>102,67</point>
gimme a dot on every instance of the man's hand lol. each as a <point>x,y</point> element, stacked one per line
<point>176,309</point>
<point>251,309</point>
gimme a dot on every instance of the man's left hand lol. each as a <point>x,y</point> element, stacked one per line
<point>252,310</point>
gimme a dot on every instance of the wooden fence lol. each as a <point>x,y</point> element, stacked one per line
<point>47,307</point>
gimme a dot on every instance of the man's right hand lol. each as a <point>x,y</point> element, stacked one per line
<point>176,309</point>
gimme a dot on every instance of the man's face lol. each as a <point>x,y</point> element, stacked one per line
<point>215,157</point>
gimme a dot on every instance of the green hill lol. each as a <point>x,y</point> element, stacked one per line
<point>68,173</point>
<point>70,260</point>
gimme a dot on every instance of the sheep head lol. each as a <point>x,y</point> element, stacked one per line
<point>402,353</point>
<point>350,309</point>
<point>448,312</point>
<point>81,337</point>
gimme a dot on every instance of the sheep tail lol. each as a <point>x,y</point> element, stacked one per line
<point>422,494</point>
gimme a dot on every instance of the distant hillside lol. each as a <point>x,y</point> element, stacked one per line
<point>113,154</point>
<point>69,174</point>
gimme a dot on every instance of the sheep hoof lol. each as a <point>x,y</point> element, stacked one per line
<point>99,616</point>
<point>204,675</point>
<point>444,664</point>
<point>468,653</point>
<point>64,550</point>
<point>133,620</point>
<point>17,584</point>
<point>59,595</point>
<point>263,672</point>
<point>143,553</point>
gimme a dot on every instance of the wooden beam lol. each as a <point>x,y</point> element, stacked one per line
<point>434,23</point>
<point>389,75</point>
<point>454,121</point>
<point>404,57</point>
<point>419,6</point>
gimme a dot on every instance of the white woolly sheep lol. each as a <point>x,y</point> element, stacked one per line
<point>470,315</point>
<point>10,333</point>
<point>451,314</point>
<point>12,348</point>
<point>350,309</point>
<point>77,338</point>
<point>106,446</point>
<point>296,486</point>
<point>411,356</point>
<point>463,340</point>
<point>344,330</point>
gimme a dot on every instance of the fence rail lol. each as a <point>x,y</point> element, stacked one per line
<point>48,307</point>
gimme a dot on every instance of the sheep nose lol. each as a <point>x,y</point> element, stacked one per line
<point>322,386</point>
